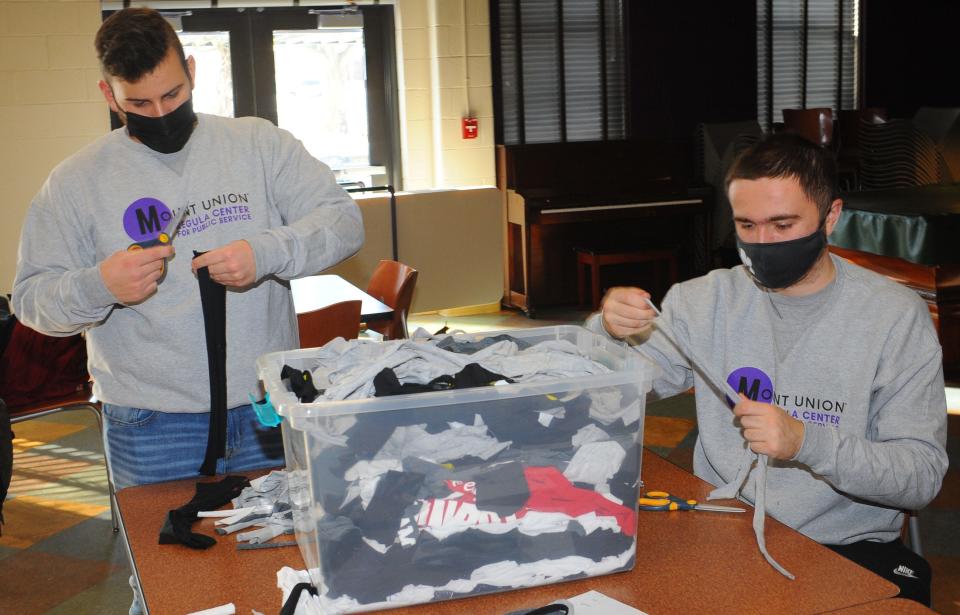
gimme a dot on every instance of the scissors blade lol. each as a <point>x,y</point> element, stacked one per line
<point>718,508</point>
<point>174,224</point>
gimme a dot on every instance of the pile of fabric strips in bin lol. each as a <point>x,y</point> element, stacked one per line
<point>429,502</point>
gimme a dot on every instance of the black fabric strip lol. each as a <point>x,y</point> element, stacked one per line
<point>213,299</point>
<point>290,606</point>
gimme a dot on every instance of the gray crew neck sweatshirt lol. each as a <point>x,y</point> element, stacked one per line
<point>239,179</point>
<point>864,375</point>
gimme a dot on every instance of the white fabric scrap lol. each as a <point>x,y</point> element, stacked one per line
<point>606,407</point>
<point>631,414</point>
<point>595,463</point>
<point>454,443</point>
<point>546,416</point>
<point>506,574</point>
<point>226,512</point>
<point>223,609</point>
<point>364,477</point>
<point>587,434</point>
<point>509,574</point>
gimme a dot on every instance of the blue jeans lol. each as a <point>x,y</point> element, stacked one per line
<point>148,446</point>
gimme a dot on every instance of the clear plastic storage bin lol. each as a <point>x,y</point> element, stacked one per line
<point>421,497</point>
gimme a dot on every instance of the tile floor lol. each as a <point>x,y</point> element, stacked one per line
<point>58,555</point>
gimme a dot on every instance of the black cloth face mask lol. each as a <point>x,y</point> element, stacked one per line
<point>783,263</point>
<point>165,134</point>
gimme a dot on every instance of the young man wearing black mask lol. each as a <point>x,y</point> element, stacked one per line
<point>245,193</point>
<point>839,369</point>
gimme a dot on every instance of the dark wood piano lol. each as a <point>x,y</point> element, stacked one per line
<point>600,195</point>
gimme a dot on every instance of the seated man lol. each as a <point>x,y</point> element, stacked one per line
<point>839,369</point>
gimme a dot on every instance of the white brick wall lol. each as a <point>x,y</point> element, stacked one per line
<point>49,102</point>
<point>50,105</point>
<point>450,82</point>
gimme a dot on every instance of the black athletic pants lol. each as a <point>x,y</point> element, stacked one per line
<point>894,562</point>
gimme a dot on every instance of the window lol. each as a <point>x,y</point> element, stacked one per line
<point>806,56</point>
<point>213,93</point>
<point>326,74</point>
<point>560,70</point>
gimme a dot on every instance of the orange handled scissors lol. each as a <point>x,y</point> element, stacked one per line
<point>661,500</point>
<point>164,237</point>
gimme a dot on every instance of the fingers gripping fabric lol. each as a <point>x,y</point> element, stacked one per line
<point>732,488</point>
<point>760,514</point>
<point>213,299</point>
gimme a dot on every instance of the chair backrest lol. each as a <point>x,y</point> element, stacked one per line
<point>895,154</point>
<point>848,131</point>
<point>35,368</point>
<point>337,320</point>
<point>815,125</point>
<point>718,144</point>
<point>393,283</point>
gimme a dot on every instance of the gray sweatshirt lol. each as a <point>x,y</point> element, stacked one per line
<point>240,179</point>
<point>864,374</point>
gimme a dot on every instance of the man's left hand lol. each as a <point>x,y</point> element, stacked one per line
<point>768,429</point>
<point>231,265</point>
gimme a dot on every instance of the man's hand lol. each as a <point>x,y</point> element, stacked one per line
<point>231,265</point>
<point>769,429</point>
<point>625,312</point>
<point>131,276</point>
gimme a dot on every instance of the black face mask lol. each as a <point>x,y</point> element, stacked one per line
<point>784,263</point>
<point>165,134</point>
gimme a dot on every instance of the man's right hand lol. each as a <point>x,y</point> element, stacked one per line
<point>625,312</point>
<point>132,276</point>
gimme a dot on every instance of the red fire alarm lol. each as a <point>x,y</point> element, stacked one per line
<point>469,128</point>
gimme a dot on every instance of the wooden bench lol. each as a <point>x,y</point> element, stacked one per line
<point>596,259</point>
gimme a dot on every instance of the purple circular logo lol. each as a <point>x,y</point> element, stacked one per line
<point>145,218</point>
<point>752,382</point>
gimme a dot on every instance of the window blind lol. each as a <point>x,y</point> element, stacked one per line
<point>806,56</point>
<point>562,70</point>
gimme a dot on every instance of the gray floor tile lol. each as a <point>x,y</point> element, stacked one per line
<point>93,539</point>
<point>111,597</point>
<point>679,406</point>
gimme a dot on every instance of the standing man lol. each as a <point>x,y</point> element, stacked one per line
<point>260,207</point>
<point>839,369</point>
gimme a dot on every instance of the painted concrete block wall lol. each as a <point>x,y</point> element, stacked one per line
<point>446,76</point>
<point>49,102</point>
<point>50,107</point>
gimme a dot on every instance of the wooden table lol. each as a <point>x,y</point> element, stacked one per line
<point>688,562</point>
<point>890,606</point>
<point>319,291</point>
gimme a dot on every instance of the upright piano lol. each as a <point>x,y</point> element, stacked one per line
<point>602,196</point>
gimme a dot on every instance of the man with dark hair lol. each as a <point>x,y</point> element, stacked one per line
<point>132,43</point>
<point>839,369</point>
<point>242,192</point>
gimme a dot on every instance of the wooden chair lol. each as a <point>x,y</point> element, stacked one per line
<point>337,320</point>
<point>81,399</point>
<point>895,154</point>
<point>848,129</point>
<point>814,125</point>
<point>393,283</point>
<point>847,137</point>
